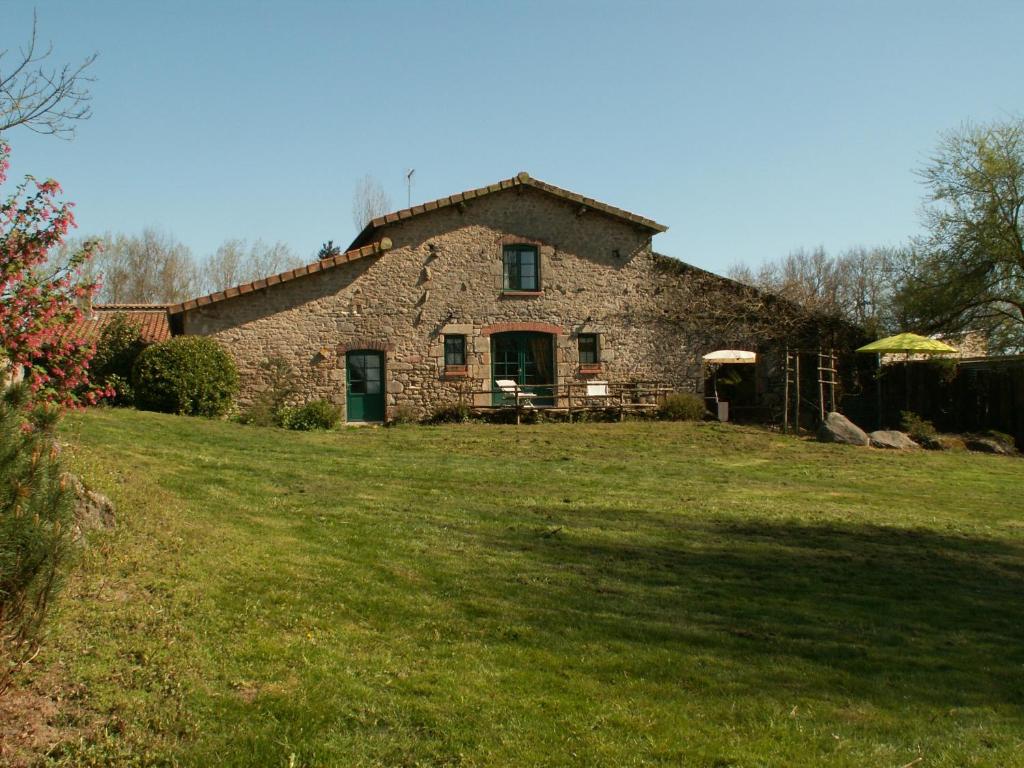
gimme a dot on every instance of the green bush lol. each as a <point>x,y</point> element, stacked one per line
<point>260,414</point>
<point>682,406</point>
<point>123,395</point>
<point>36,511</point>
<point>919,430</point>
<point>318,414</point>
<point>119,345</point>
<point>189,375</point>
<point>452,413</point>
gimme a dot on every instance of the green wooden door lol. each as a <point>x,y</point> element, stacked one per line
<point>527,359</point>
<point>365,376</point>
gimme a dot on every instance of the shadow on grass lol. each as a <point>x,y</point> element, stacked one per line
<point>889,614</point>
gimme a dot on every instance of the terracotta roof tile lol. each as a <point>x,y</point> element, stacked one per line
<point>318,266</point>
<point>151,319</point>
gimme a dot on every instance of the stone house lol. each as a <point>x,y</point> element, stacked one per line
<point>519,280</point>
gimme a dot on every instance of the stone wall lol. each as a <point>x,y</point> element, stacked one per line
<point>9,374</point>
<point>443,275</point>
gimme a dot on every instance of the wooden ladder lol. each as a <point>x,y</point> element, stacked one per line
<point>826,381</point>
<point>792,385</point>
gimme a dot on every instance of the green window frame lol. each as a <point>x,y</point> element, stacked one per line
<point>589,349</point>
<point>520,268</point>
<point>454,349</point>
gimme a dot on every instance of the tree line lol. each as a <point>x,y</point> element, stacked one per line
<point>964,273</point>
<point>153,267</point>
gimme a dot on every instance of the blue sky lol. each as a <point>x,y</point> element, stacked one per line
<point>749,128</point>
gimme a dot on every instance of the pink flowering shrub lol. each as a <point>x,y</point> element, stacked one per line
<point>39,306</point>
<point>38,310</point>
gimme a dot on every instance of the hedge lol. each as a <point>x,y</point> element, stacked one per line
<point>189,375</point>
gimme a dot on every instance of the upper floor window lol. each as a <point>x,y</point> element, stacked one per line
<point>520,268</point>
<point>587,344</point>
<point>454,350</point>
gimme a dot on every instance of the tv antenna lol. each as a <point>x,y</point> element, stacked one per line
<point>408,187</point>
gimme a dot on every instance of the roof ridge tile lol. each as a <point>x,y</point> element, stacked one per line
<point>520,179</point>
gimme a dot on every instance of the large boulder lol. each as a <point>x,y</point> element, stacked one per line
<point>934,442</point>
<point>836,428</point>
<point>989,443</point>
<point>893,440</point>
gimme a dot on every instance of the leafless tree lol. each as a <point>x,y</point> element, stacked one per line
<point>43,99</point>
<point>727,311</point>
<point>237,262</point>
<point>856,285</point>
<point>369,200</point>
<point>150,268</point>
<point>224,268</point>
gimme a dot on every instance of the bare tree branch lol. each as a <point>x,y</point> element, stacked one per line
<point>369,201</point>
<point>855,286</point>
<point>236,262</point>
<point>42,99</point>
<point>149,268</point>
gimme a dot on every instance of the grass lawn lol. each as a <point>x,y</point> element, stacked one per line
<point>555,595</point>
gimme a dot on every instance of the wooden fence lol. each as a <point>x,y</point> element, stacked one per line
<point>969,395</point>
<point>576,398</point>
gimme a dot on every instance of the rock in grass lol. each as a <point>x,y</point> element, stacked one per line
<point>836,428</point>
<point>990,444</point>
<point>892,439</point>
<point>933,443</point>
<point>92,510</point>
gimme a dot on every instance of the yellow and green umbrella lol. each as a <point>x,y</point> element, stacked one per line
<point>908,344</point>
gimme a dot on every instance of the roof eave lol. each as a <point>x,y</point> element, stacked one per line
<point>353,254</point>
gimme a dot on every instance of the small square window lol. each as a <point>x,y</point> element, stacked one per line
<point>589,354</point>
<point>454,350</point>
<point>520,268</point>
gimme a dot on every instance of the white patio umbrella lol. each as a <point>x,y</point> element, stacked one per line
<point>722,356</point>
<point>728,356</point>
